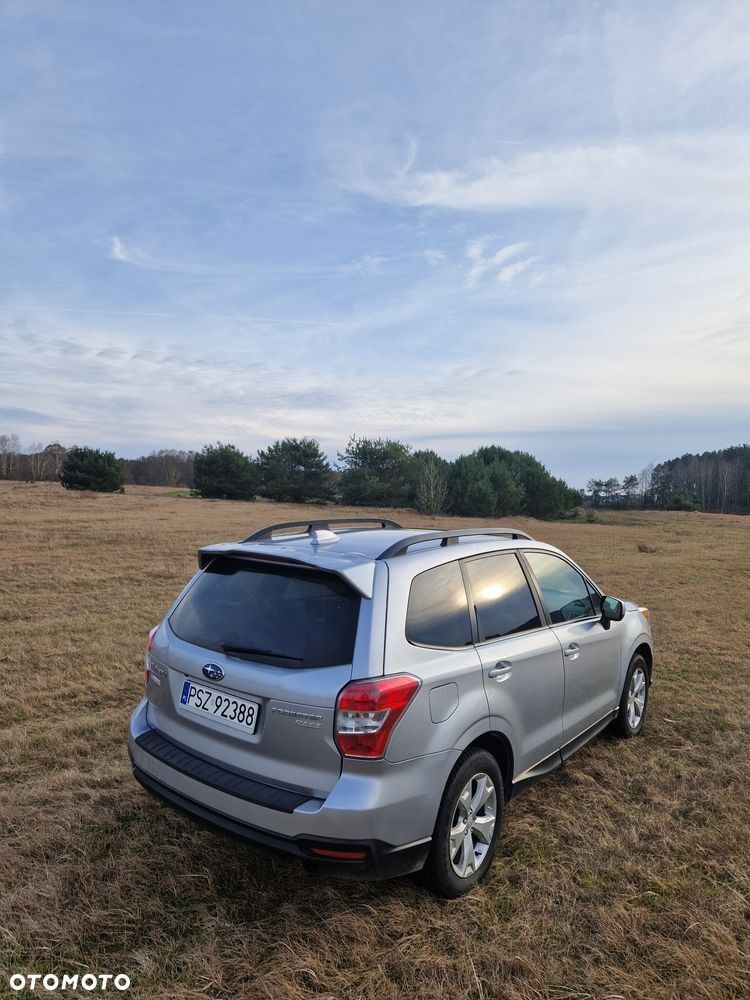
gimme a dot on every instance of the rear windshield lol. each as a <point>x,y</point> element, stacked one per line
<point>272,614</point>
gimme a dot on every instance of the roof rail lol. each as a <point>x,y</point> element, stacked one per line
<point>449,538</point>
<point>310,526</point>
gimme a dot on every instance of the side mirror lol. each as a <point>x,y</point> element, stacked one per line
<point>612,611</point>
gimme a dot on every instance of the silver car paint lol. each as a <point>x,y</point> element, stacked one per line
<point>542,702</point>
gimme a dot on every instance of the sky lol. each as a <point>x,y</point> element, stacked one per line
<point>452,223</point>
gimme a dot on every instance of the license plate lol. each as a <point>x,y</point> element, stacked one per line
<point>225,708</point>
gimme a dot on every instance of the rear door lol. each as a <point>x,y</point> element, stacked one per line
<point>253,658</point>
<point>591,652</point>
<point>521,658</point>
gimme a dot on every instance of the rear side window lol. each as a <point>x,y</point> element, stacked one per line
<point>501,596</point>
<point>271,614</point>
<point>438,612</point>
<point>564,590</point>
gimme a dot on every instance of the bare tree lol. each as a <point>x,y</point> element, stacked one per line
<point>9,449</point>
<point>54,456</point>
<point>432,489</point>
<point>726,482</point>
<point>37,461</point>
<point>644,480</point>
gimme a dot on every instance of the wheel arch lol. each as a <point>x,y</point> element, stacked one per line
<point>500,747</point>
<point>647,653</point>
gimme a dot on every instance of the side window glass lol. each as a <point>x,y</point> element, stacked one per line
<point>563,588</point>
<point>438,612</point>
<point>501,595</point>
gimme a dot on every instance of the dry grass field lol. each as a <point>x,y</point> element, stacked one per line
<point>625,874</point>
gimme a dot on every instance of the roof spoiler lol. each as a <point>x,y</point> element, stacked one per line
<point>360,576</point>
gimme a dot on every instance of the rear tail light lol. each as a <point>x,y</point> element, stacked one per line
<point>149,647</point>
<point>367,711</point>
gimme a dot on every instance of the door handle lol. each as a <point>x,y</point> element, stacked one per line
<point>572,650</point>
<point>502,669</point>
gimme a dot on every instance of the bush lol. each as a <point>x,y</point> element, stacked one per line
<point>294,470</point>
<point>684,501</point>
<point>222,472</point>
<point>469,488</point>
<point>92,469</point>
<point>376,473</point>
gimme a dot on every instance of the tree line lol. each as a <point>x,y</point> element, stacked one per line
<point>374,472</point>
<point>381,472</point>
<point>715,481</point>
<point>167,467</point>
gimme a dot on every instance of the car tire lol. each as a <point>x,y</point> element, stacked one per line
<point>634,700</point>
<point>468,825</point>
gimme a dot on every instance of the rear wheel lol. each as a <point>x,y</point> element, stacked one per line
<point>467,827</point>
<point>634,700</point>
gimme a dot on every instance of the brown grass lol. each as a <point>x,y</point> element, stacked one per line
<point>625,874</point>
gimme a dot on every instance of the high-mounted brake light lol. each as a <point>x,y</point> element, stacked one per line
<point>149,647</point>
<point>367,711</point>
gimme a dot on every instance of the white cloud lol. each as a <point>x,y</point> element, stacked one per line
<point>125,254</point>
<point>673,171</point>
<point>434,257</point>
<point>475,249</point>
<point>496,262</point>
<point>508,274</point>
<point>664,65</point>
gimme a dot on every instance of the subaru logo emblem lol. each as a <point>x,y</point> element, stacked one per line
<point>213,671</point>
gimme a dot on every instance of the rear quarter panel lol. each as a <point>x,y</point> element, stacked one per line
<point>450,709</point>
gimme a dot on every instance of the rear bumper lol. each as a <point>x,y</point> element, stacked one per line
<point>386,811</point>
<point>382,860</point>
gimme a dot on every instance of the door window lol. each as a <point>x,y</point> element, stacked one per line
<point>564,590</point>
<point>501,596</point>
<point>438,612</point>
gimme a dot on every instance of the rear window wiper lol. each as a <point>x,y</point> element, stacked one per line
<point>233,650</point>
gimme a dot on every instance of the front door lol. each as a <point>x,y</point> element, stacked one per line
<point>591,652</point>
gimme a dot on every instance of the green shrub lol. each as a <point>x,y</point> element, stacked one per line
<point>92,469</point>
<point>376,472</point>
<point>222,471</point>
<point>294,470</point>
<point>684,501</point>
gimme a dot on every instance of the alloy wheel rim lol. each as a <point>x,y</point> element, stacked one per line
<point>636,698</point>
<point>473,825</point>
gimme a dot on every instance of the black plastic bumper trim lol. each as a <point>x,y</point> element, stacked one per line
<point>281,799</point>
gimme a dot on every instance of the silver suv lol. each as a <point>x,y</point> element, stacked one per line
<point>368,698</point>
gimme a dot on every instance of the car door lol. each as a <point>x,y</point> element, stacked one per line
<point>522,664</point>
<point>591,652</point>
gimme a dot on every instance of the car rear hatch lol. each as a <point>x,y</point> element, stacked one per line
<point>252,659</point>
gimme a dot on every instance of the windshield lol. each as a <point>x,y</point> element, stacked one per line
<point>272,614</point>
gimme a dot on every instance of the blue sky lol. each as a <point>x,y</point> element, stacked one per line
<point>451,223</point>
